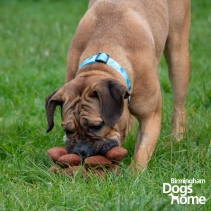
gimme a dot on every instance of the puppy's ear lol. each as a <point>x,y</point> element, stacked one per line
<point>111,95</point>
<point>51,102</point>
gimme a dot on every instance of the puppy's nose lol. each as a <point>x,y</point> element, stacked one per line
<point>83,150</point>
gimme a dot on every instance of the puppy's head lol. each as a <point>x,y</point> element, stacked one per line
<point>94,114</point>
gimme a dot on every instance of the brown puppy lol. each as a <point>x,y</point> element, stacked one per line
<point>94,100</point>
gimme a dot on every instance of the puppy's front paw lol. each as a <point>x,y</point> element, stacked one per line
<point>135,167</point>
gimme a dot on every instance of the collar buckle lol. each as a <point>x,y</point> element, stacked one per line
<point>102,57</point>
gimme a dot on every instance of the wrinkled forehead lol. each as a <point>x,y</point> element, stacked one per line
<point>82,110</point>
<point>80,85</point>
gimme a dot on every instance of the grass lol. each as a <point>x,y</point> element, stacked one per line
<point>34,37</point>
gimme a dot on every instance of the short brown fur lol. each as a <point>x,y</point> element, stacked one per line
<point>135,33</point>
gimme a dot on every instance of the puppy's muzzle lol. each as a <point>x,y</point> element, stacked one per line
<point>83,150</point>
<point>90,149</point>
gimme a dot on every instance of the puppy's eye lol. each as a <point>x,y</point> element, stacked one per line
<point>95,128</point>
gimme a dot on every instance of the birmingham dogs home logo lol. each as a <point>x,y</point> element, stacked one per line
<point>180,191</point>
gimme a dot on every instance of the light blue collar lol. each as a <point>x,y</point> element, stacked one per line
<point>104,58</point>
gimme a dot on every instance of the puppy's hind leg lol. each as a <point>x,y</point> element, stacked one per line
<point>177,56</point>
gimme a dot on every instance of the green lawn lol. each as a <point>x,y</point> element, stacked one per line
<point>34,40</point>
